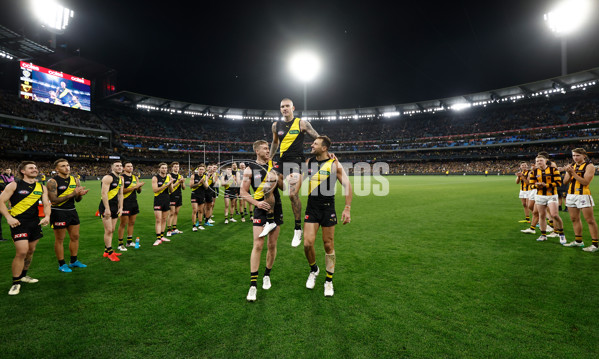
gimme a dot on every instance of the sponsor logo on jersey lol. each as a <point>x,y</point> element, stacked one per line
<point>323,172</point>
<point>21,235</point>
<point>307,217</point>
<point>24,192</point>
<point>294,132</point>
<point>37,192</point>
<point>257,221</point>
<point>57,224</point>
<point>126,212</point>
<point>157,207</point>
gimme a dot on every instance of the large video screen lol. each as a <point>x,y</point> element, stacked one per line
<point>50,86</point>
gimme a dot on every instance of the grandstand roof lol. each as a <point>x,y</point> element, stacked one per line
<point>562,84</point>
<point>20,47</point>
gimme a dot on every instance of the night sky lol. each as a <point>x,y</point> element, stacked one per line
<point>235,54</point>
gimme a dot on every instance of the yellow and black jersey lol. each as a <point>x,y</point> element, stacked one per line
<point>113,190</point>
<point>64,95</point>
<point>550,176</point>
<point>163,194</point>
<point>523,185</point>
<point>128,182</point>
<point>64,187</point>
<point>291,139</point>
<point>258,180</point>
<point>575,186</point>
<point>322,180</point>
<point>25,199</point>
<point>176,189</point>
<point>196,179</point>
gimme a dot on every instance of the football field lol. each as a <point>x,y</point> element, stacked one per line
<point>438,268</point>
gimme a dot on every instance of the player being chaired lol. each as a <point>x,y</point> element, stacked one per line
<point>579,199</point>
<point>63,191</point>
<point>267,201</point>
<point>289,134</point>
<point>132,186</point>
<point>324,172</point>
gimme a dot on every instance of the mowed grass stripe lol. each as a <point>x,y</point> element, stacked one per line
<point>437,268</point>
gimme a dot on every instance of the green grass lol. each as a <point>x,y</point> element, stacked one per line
<point>436,269</point>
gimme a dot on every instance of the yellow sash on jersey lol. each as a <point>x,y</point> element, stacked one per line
<point>27,202</point>
<point>209,182</point>
<point>113,192</point>
<point>70,189</point>
<point>198,187</point>
<point>63,93</point>
<point>323,173</point>
<point>259,192</point>
<point>133,183</point>
<point>178,184</point>
<point>290,137</point>
<point>167,180</point>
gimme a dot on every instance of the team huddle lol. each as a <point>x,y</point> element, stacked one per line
<point>119,189</point>
<point>540,195</point>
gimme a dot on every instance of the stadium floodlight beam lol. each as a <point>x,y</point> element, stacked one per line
<point>567,17</point>
<point>305,66</point>
<point>52,15</point>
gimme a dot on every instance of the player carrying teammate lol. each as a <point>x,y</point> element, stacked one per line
<point>324,172</point>
<point>63,191</point>
<point>25,225</point>
<point>111,206</point>
<point>260,177</point>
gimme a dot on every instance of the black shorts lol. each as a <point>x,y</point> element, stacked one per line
<point>114,209</point>
<point>287,165</point>
<point>130,208</point>
<point>29,230</point>
<point>322,213</point>
<point>209,195</point>
<point>199,198</point>
<point>230,193</point>
<point>162,205</point>
<point>176,200</point>
<point>260,215</point>
<point>60,218</point>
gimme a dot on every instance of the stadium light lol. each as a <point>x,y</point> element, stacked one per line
<point>52,15</point>
<point>567,17</point>
<point>305,66</point>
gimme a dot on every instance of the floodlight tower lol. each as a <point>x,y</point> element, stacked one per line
<point>52,16</point>
<point>567,17</point>
<point>305,66</point>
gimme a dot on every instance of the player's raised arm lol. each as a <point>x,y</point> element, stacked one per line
<point>308,129</point>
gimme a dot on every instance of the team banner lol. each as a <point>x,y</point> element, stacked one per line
<point>54,87</point>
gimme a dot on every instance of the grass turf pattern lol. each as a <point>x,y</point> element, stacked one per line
<point>438,268</point>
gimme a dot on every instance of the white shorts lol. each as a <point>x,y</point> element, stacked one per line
<point>579,200</point>
<point>524,194</point>
<point>545,200</point>
<point>532,194</point>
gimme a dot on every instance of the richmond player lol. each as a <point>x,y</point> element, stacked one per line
<point>131,188</point>
<point>198,185</point>
<point>161,185</point>
<point>111,206</point>
<point>63,191</point>
<point>261,177</point>
<point>290,135</point>
<point>176,199</point>
<point>25,225</point>
<point>324,172</point>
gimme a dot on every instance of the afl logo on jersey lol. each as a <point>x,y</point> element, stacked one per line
<point>281,133</point>
<point>24,192</point>
<point>62,187</point>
